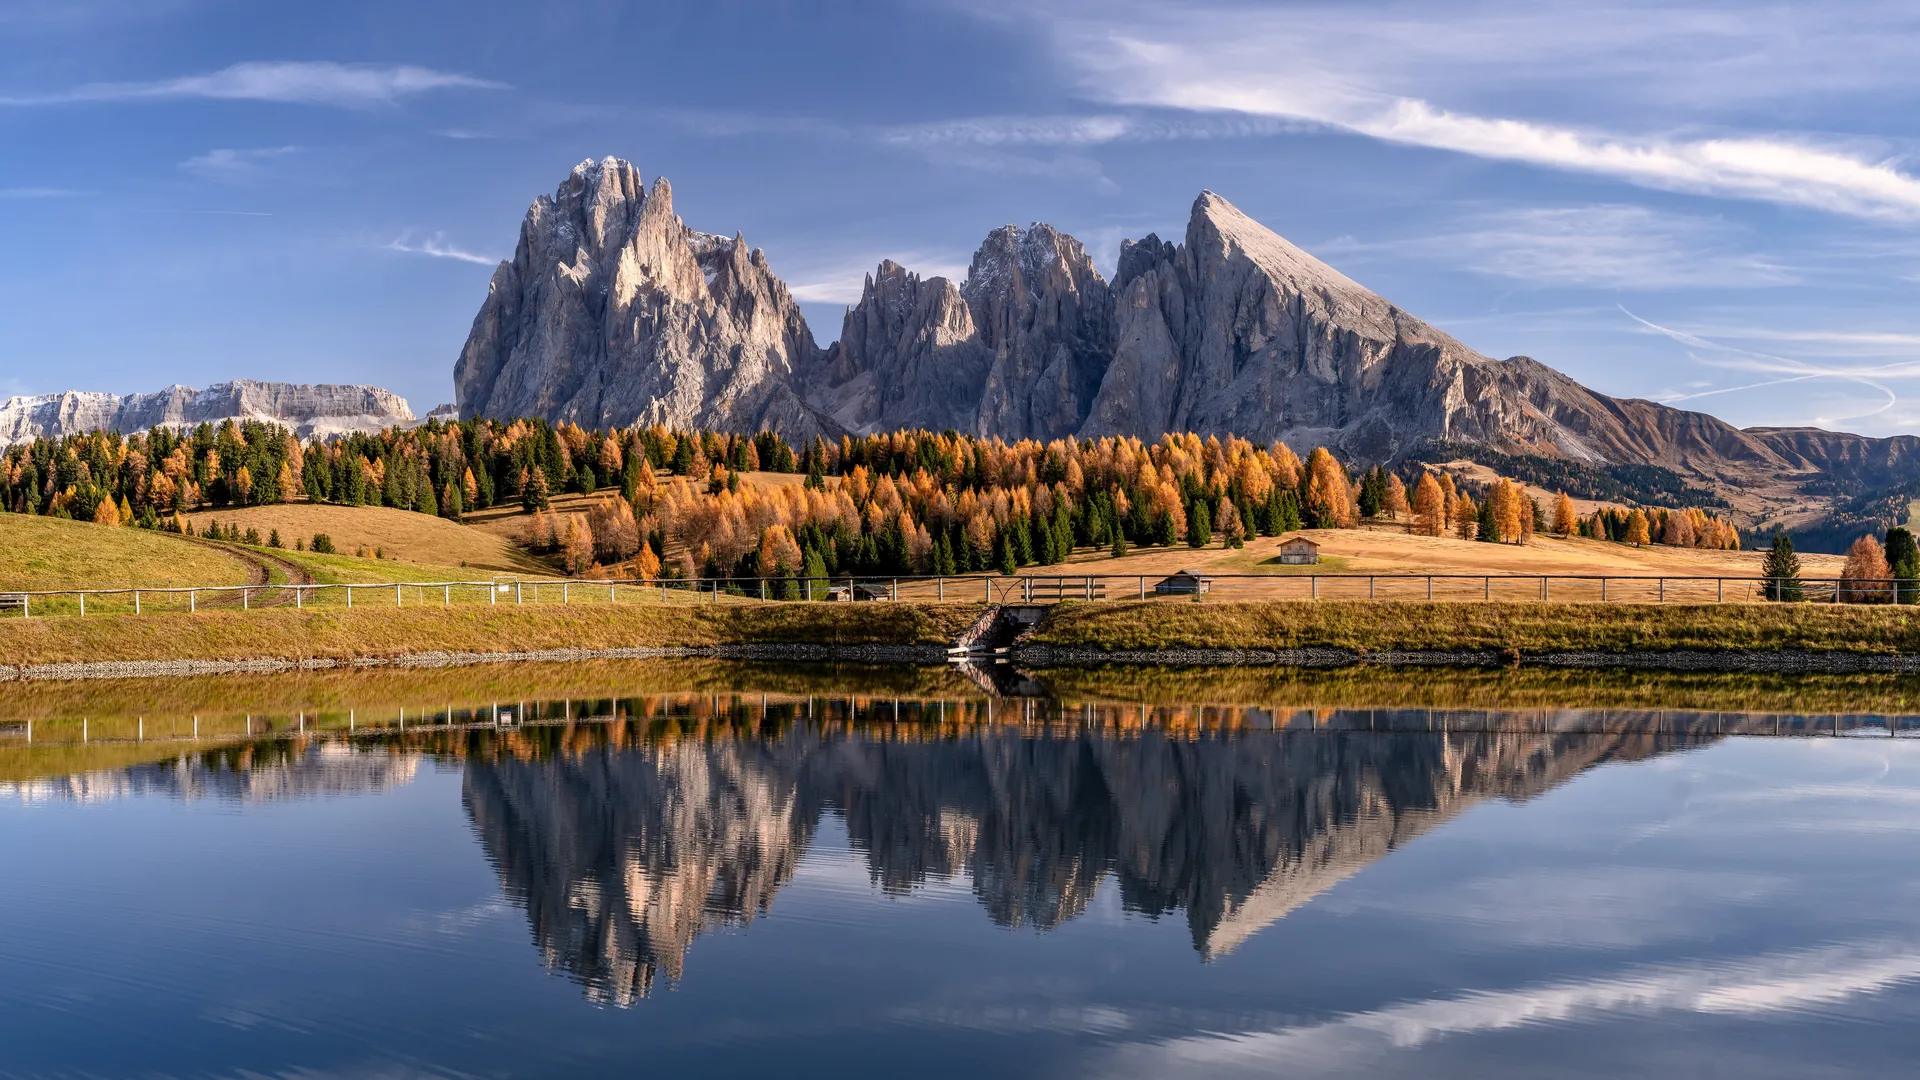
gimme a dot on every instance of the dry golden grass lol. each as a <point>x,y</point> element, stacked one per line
<point>46,553</point>
<point>368,630</point>
<point>1529,628</point>
<point>1389,550</point>
<point>403,534</point>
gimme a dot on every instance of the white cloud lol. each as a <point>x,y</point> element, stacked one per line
<point>1605,246</point>
<point>233,166</point>
<point>1093,130</point>
<point>1785,371</point>
<point>1328,67</point>
<point>1355,1044</point>
<point>312,82</point>
<point>437,247</point>
<point>841,282</point>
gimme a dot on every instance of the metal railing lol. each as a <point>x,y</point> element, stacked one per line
<point>985,588</point>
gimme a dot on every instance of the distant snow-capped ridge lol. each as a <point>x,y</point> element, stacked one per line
<point>324,410</point>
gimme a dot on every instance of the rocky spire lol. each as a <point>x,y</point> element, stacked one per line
<point>613,312</point>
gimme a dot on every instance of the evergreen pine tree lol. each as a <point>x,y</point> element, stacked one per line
<point>1199,525</point>
<point>534,496</point>
<point>1489,531</point>
<point>1119,548</point>
<point>1782,570</point>
<point>816,574</point>
<point>1003,554</point>
<point>1903,556</point>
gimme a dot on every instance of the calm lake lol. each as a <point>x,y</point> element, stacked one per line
<point>701,870</point>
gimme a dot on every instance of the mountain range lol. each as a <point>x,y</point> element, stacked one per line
<point>612,311</point>
<point>323,410</point>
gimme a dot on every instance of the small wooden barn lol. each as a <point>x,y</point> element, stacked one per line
<point>1299,551</point>
<point>1183,583</point>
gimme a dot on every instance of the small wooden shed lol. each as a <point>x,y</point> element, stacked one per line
<point>1299,551</point>
<point>1183,583</point>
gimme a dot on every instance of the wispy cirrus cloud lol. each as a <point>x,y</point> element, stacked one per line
<point>1783,370</point>
<point>1012,145</point>
<point>1071,130</point>
<point>1220,61</point>
<point>303,82</point>
<point>38,193</point>
<point>227,165</point>
<point>1610,246</point>
<point>435,246</point>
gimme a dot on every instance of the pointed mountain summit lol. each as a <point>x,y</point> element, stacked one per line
<point>613,312</point>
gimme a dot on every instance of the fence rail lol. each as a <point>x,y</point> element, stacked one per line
<point>987,588</point>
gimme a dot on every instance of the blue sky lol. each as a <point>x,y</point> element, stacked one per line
<point>1711,205</point>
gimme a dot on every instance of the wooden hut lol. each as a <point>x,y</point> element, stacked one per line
<point>1299,551</point>
<point>1183,583</point>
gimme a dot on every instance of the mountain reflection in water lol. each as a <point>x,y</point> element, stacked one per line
<point>623,852</point>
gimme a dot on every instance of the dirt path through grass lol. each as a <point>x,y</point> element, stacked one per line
<point>260,567</point>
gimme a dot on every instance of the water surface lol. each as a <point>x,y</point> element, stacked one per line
<point>702,870</point>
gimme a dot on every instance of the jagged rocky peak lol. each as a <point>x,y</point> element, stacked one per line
<point>908,356</point>
<point>1045,316</point>
<point>1039,259</point>
<point>614,312</point>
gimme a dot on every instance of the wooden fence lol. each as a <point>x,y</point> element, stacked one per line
<point>984,588</point>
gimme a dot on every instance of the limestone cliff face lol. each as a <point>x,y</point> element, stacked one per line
<point>909,355</point>
<point>1016,350</point>
<point>308,410</point>
<point>1238,330</point>
<point>613,312</point>
<point>1045,316</point>
<point>1232,331</point>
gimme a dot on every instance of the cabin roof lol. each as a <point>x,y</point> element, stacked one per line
<point>1291,540</point>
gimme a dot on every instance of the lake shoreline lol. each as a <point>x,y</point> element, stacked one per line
<point>1754,638</point>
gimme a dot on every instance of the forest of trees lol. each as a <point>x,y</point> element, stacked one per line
<point>673,503</point>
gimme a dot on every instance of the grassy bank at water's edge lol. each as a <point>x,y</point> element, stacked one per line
<point>341,633</point>
<point>1529,628</point>
<point>377,632</point>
